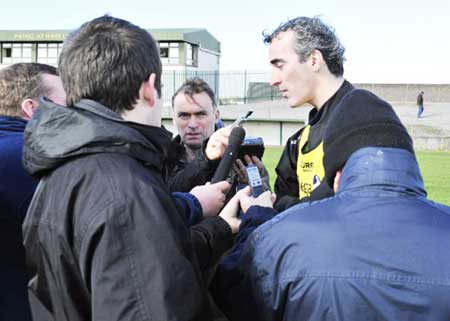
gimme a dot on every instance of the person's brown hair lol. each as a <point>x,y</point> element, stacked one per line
<point>107,59</point>
<point>19,82</point>
<point>195,86</point>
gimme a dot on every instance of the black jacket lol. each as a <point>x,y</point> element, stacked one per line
<point>183,175</point>
<point>103,237</point>
<point>420,99</point>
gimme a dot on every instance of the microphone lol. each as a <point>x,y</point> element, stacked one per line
<point>234,142</point>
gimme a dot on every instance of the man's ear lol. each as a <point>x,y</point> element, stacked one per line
<point>337,180</point>
<point>216,115</point>
<point>149,91</point>
<point>28,107</point>
<point>316,60</point>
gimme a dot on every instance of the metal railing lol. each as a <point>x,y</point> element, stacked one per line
<point>230,87</point>
<point>242,87</point>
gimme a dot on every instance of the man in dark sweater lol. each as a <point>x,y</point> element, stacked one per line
<point>191,161</point>
<point>21,85</point>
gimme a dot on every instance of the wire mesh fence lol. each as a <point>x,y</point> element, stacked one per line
<point>240,87</point>
<point>230,87</point>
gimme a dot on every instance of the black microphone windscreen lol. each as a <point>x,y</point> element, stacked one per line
<point>234,142</point>
<point>237,135</point>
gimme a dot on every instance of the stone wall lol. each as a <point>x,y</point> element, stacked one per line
<point>407,93</point>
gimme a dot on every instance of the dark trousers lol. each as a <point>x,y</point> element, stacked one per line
<point>420,111</point>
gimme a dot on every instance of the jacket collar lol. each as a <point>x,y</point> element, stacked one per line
<point>56,134</point>
<point>316,116</point>
<point>384,169</point>
<point>12,124</point>
<point>159,136</point>
<point>98,109</point>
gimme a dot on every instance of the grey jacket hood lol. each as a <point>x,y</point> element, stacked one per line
<point>57,134</point>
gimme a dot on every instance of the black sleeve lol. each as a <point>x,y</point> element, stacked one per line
<point>286,184</point>
<point>211,238</point>
<point>230,287</point>
<point>287,201</point>
<point>320,192</point>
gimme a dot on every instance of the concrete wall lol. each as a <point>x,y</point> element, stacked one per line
<point>268,122</point>
<point>408,92</point>
<point>207,60</point>
<point>274,133</point>
<point>394,93</point>
<point>432,143</point>
<point>275,122</point>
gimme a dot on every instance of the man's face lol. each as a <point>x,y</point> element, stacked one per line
<point>294,79</point>
<point>194,118</point>
<point>55,88</point>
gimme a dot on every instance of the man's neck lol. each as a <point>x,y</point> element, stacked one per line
<point>193,153</point>
<point>142,114</point>
<point>326,89</point>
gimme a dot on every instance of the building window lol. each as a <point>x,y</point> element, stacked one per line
<point>16,52</point>
<point>164,52</point>
<point>48,53</point>
<point>8,53</point>
<point>190,55</point>
<point>170,53</point>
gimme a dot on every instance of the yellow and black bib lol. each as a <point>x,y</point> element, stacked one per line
<point>310,171</point>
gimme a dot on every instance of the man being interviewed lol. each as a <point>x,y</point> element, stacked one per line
<point>307,67</point>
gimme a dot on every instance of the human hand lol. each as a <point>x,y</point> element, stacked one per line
<point>231,210</point>
<point>266,199</point>
<point>242,173</point>
<point>217,143</point>
<point>211,197</point>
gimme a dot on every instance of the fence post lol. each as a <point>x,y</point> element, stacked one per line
<point>245,86</point>
<point>174,84</point>
<point>216,85</point>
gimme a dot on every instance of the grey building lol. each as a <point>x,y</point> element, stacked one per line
<point>185,52</point>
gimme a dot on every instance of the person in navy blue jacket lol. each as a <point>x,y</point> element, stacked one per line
<point>377,250</point>
<point>21,85</point>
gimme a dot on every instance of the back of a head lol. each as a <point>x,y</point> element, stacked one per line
<point>361,120</point>
<point>313,34</point>
<point>19,82</point>
<point>195,86</point>
<point>107,59</point>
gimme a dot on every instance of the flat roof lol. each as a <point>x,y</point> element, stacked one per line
<point>196,36</point>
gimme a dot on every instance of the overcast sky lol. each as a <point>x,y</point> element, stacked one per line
<point>393,41</point>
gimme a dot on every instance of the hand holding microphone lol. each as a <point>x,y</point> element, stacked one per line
<point>235,140</point>
<point>217,143</point>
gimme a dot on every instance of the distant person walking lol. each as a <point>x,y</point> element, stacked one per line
<point>420,104</point>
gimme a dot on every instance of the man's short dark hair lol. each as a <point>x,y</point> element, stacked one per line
<point>195,86</point>
<point>19,82</point>
<point>107,60</point>
<point>313,34</point>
